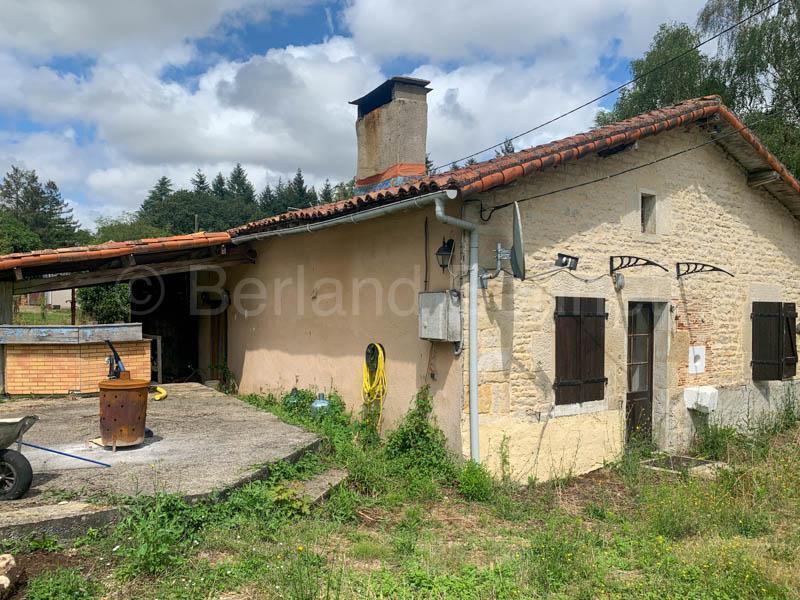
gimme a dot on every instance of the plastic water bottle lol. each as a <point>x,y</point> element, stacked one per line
<point>320,404</point>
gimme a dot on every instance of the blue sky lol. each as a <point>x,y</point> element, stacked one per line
<point>106,96</point>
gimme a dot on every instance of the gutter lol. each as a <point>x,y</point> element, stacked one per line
<point>438,199</point>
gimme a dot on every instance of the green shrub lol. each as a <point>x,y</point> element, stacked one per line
<point>475,482</point>
<point>106,303</point>
<point>714,441</point>
<point>417,443</point>
<point>62,584</point>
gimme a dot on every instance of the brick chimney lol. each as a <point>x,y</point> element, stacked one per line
<point>392,128</point>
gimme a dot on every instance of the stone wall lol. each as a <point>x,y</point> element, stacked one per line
<point>705,212</point>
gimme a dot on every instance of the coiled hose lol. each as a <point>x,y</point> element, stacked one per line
<point>373,386</point>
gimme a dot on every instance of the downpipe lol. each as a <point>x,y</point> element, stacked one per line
<point>439,199</point>
<point>472,323</point>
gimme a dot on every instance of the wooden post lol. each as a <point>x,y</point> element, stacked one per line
<point>6,318</point>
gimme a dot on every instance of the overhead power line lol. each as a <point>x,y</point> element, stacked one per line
<point>619,173</point>
<point>619,87</point>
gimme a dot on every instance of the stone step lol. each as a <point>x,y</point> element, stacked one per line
<point>319,487</point>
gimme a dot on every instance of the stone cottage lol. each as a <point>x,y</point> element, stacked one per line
<point>638,279</point>
<point>570,362</point>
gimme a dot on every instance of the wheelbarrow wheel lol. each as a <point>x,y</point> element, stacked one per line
<point>16,475</point>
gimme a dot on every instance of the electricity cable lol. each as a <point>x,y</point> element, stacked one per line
<point>618,173</point>
<point>619,87</point>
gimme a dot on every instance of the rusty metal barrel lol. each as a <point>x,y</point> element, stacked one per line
<point>123,410</point>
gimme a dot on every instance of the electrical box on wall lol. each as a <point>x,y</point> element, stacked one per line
<point>440,316</point>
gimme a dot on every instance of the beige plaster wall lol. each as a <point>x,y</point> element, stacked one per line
<point>303,338</point>
<point>705,213</point>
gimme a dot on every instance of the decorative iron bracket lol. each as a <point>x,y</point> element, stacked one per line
<point>690,268</point>
<point>626,262</point>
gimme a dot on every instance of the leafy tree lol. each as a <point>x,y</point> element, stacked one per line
<point>693,75</point>
<point>126,227</point>
<point>200,183</point>
<point>344,190</point>
<point>15,236</point>
<point>39,207</point>
<point>471,161</point>
<point>756,70</point>
<point>761,63</point>
<point>106,303</point>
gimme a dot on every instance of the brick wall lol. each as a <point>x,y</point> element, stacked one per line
<point>64,368</point>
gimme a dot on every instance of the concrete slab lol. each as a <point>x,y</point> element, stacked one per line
<point>205,441</point>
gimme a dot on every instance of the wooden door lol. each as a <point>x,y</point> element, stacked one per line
<point>639,405</point>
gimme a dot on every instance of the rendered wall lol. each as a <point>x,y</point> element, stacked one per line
<point>302,337</point>
<point>706,213</point>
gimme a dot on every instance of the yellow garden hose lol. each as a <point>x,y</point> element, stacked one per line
<point>373,387</point>
<point>161,394</point>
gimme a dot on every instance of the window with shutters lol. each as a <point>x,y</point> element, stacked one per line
<point>774,340</point>
<point>580,349</point>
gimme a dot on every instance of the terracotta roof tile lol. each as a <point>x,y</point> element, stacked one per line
<point>39,258</point>
<point>506,169</point>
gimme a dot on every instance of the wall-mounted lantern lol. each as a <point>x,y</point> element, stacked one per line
<point>445,253</point>
<point>566,261</point>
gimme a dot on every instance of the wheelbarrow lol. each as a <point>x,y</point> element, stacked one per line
<point>15,470</point>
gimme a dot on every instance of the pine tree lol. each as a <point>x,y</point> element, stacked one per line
<point>239,185</point>
<point>471,161</point>
<point>39,207</point>
<point>159,192</point>
<point>200,183</point>
<point>266,201</point>
<point>326,193</point>
<point>506,149</point>
<point>429,165</point>
<point>218,186</point>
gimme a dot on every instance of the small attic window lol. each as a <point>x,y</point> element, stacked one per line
<point>648,213</point>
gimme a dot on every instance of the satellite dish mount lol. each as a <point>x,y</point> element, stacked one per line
<point>515,255</point>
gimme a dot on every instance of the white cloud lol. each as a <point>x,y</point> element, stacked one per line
<point>287,108</point>
<point>89,27</point>
<point>453,29</point>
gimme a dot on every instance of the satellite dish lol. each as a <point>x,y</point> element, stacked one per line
<point>518,249</point>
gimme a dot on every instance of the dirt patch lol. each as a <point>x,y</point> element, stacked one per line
<point>603,486</point>
<point>36,563</point>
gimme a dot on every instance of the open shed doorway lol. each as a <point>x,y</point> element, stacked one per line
<point>163,306</point>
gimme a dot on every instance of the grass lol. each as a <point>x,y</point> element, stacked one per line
<point>413,522</point>
<point>59,316</point>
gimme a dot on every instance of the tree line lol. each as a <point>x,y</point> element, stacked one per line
<point>226,202</point>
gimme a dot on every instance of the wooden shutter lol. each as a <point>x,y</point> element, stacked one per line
<point>580,349</point>
<point>789,339</point>
<point>767,359</point>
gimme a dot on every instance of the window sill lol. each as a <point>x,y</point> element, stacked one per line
<point>581,408</point>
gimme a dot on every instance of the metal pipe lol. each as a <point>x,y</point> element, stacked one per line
<point>371,213</point>
<point>438,199</point>
<point>67,454</point>
<point>472,323</point>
